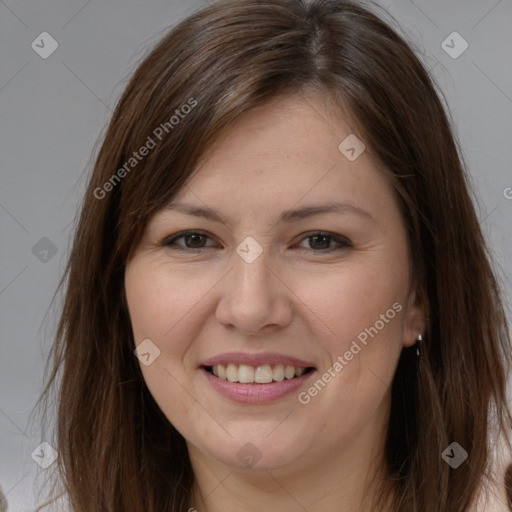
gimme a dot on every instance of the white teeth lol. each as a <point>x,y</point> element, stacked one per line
<point>289,372</point>
<point>245,374</point>
<point>278,372</point>
<point>263,374</point>
<point>232,373</point>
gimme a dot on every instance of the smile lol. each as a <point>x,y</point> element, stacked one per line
<point>262,374</point>
<point>256,378</point>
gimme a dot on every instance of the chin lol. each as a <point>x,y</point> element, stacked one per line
<point>259,451</point>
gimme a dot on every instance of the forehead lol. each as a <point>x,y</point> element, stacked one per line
<point>284,152</point>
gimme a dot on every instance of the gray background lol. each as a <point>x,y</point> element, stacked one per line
<point>54,110</point>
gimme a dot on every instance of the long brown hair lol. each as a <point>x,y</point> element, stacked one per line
<point>118,452</point>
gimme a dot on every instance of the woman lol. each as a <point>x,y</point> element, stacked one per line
<point>279,295</point>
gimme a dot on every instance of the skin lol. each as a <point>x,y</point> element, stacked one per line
<point>294,299</point>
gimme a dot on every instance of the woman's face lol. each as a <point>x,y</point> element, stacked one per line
<point>298,262</point>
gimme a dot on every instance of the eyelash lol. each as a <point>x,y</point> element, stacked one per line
<point>170,242</point>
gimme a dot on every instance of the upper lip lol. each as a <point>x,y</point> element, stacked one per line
<point>260,359</point>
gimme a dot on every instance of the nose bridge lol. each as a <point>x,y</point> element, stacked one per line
<point>251,280</point>
<point>252,296</point>
<point>251,262</point>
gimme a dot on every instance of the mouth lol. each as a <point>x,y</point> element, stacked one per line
<point>256,378</point>
<point>261,374</point>
<point>262,378</point>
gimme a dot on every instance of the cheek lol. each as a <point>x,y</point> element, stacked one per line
<point>164,304</point>
<point>342,304</point>
<point>357,321</point>
<point>357,314</point>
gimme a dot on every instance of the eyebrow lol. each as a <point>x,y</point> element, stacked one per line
<point>286,216</point>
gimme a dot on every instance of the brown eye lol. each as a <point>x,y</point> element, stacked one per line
<point>191,240</point>
<point>321,242</point>
<point>194,241</point>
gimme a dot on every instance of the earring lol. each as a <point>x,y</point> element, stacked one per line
<point>419,349</point>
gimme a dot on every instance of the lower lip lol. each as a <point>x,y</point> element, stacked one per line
<point>256,393</point>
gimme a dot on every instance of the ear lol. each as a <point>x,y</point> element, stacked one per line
<point>414,319</point>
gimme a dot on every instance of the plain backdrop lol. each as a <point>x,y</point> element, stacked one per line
<point>54,109</point>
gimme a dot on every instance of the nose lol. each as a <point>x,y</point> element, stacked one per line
<point>254,298</point>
